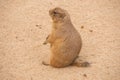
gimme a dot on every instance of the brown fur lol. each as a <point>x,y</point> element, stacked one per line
<point>64,39</point>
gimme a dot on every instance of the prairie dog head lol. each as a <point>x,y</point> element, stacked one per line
<point>59,15</point>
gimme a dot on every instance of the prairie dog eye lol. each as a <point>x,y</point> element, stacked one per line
<point>55,12</point>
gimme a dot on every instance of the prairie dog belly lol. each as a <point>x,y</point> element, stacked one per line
<point>65,52</point>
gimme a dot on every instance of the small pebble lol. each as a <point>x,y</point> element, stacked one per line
<point>91,30</point>
<point>84,75</point>
<point>39,26</point>
<point>82,27</point>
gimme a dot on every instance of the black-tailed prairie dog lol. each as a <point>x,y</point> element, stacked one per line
<point>64,39</point>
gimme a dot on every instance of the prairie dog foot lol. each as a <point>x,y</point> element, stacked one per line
<point>82,64</point>
<point>85,64</point>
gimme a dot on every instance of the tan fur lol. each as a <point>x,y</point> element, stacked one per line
<point>64,39</point>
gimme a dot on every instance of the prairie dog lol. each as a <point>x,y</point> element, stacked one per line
<point>64,39</point>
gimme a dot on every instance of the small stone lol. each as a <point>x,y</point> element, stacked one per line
<point>84,75</point>
<point>39,26</point>
<point>91,30</point>
<point>82,27</point>
<point>16,37</point>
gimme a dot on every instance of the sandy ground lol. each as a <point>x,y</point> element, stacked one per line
<point>24,25</point>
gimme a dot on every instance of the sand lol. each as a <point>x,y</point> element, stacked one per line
<point>24,25</point>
